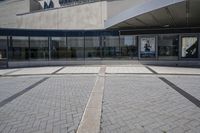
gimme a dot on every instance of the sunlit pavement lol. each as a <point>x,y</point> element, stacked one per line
<point>149,99</point>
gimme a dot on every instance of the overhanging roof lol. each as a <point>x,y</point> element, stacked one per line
<point>158,13</point>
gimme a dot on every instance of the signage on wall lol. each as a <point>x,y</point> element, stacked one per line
<point>148,47</point>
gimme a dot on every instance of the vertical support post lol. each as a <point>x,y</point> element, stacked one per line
<point>29,48</point>
<point>7,52</point>
<point>120,55</point>
<point>84,46</point>
<point>49,48</point>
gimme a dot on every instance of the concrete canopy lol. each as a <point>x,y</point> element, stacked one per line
<point>158,13</point>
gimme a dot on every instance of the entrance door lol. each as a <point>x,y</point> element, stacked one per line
<point>147,47</point>
<point>3,52</point>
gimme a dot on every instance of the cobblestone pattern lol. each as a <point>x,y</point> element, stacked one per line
<point>55,106</point>
<point>190,84</point>
<point>134,104</point>
<point>12,85</point>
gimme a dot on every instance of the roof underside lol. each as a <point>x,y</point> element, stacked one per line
<point>176,13</point>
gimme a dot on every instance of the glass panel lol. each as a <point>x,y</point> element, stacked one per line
<point>58,48</point>
<point>19,48</point>
<point>39,47</point>
<point>168,46</point>
<point>3,47</point>
<point>128,46</point>
<point>92,47</point>
<point>189,47</point>
<point>75,47</point>
<point>111,46</point>
<point>147,47</point>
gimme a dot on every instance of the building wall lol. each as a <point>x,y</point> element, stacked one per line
<point>8,11</point>
<point>17,14</point>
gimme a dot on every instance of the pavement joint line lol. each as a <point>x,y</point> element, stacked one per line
<point>90,122</point>
<point>150,69</point>
<point>11,98</point>
<point>58,70</point>
<point>182,92</point>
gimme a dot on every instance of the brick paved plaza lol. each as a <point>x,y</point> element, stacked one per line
<point>105,99</point>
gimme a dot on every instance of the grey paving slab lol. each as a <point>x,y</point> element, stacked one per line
<point>133,69</point>
<point>5,71</point>
<point>140,104</point>
<point>175,70</point>
<point>190,84</point>
<point>12,85</point>
<point>35,70</point>
<point>77,69</point>
<point>56,105</point>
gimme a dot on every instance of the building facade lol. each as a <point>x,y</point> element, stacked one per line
<point>78,31</point>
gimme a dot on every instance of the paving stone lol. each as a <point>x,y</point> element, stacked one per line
<point>127,70</point>
<point>87,70</point>
<point>35,70</point>
<point>175,70</point>
<point>43,107</point>
<point>190,84</point>
<point>12,85</point>
<point>145,104</point>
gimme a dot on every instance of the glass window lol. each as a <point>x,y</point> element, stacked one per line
<point>189,47</point>
<point>75,47</point>
<point>39,48</point>
<point>168,46</point>
<point>128,46</point>
<point>111,46</point>
<point>92,47</point>
<point>58,48</point>
<point>19,48</point>
<point>3,47</point>
<point>148,47</point>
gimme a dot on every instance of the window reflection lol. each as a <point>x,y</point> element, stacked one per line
<point>92,47</point>
<point>58,48</point>
<point>75,47</point>
<point>111,47</point>
<point>19,48</point>
<point>128,46</point>
<point>3,47</point>
<point>39,48</point>
<point>168,46</point>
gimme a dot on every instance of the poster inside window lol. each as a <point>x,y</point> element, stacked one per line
<point>189,47</point>
<point>148,47</point>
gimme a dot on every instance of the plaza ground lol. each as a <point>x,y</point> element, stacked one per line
<point>100,98</point>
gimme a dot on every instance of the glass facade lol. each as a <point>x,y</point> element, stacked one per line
<point>19,48</point>
<point>128,47</point>
<point>168,46</point>
<point>58,48</point>
<point>3,47</point>
<point>110,47</point>
<point>39,48</point>
<point>75,47</point>
<point>94,47</point>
